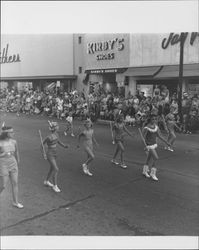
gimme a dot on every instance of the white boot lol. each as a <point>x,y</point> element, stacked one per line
<point>153,174</point>
<point>145,171</point>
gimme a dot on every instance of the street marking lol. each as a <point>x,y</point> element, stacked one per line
<point>47,212</point>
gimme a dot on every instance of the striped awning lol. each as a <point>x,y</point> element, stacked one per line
<point>172,71</point>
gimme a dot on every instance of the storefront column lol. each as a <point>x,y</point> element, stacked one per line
<point>131,87</point>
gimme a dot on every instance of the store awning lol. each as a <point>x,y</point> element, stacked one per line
<point>171,71</point>
<point>86,78</point>
<point>22,78</point>
<point>142,71</point>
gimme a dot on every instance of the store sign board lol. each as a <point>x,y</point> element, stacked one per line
<point>178,38</point>
<point>163,49</point>
<point>5,57</point>
<point>36,55</point>
<point>107,48</point>
<point>103,71</point>
<point>103,51</point>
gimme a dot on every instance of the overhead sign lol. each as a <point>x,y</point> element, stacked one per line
<point>106,51</point>
<point>177,38</point>
<point>103,71</point>
<point>105,46</point>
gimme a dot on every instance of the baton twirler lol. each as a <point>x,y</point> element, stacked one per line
<point>43,148</point>
<point>112,132</point>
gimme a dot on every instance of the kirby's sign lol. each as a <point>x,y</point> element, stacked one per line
<point>106,49</point>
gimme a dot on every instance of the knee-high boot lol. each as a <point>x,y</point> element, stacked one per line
<point>153,174</point>
<point>145,171</point>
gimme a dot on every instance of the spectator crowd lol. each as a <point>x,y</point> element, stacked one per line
<point>104,105</point>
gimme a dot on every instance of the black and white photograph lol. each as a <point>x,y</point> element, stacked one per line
<point>99,125</point>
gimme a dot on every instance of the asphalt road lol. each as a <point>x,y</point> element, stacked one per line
<point>115,201</point>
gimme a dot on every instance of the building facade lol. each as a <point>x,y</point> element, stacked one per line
<point>141,61</point>
<point>121,63</point>
<point>37,61</point>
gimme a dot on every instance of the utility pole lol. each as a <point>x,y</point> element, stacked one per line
<point>182,40</point>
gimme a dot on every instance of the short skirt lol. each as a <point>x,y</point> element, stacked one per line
<point>8,165</point>
<point>119,139</point>
<point>51,153</point>
<point>88,145</point>
<point>154,146</point>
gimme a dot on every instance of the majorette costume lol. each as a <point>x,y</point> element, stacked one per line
<point>151,136</point>
<point>8,161</point>
<point>51,142</point>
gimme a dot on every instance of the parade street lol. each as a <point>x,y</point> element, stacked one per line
<point>114,201</point>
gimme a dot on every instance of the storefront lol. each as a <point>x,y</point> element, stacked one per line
<point>106,59</point>
<point>142,61</point>
<point>119,63</point>
<point>37,61</point>
<point>154,60</point>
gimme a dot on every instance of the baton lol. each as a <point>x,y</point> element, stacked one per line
<point>112,132</point>
<point>50,123</point>
<point>165,125</point>
<point>143,139</point>
<point>43,148</point>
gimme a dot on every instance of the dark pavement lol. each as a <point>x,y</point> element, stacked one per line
<point>114,201</point>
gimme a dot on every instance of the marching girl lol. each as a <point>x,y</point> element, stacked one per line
<point>88,136</point>
<point>171,125</point>
<point>150,134</point>
<point>69,124</point>
<point>119,131</point>
<point>51,141</point>
<point>9,160</point>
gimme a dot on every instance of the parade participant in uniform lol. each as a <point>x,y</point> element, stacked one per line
<point>171,125</point>
<point>69,124</point>
<point>52,140</point>
<point>119,131</point>
<point>150,134</point>
<point>88,135</point>
<point>9,160</point>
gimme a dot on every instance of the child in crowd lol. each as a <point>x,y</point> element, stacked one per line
<point>130,120</point>
<point>69,124</point>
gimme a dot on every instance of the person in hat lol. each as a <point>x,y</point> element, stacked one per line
<point>150,133</point>
<point>51,141</point>
<point>9,160</point>
<point>119,131</point>
<point>88,135</point>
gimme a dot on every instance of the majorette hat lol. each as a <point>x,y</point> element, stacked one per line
<point>6,129</point>
<point>88,121</point>
<point>52,125</point>
<point>3,125</point>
